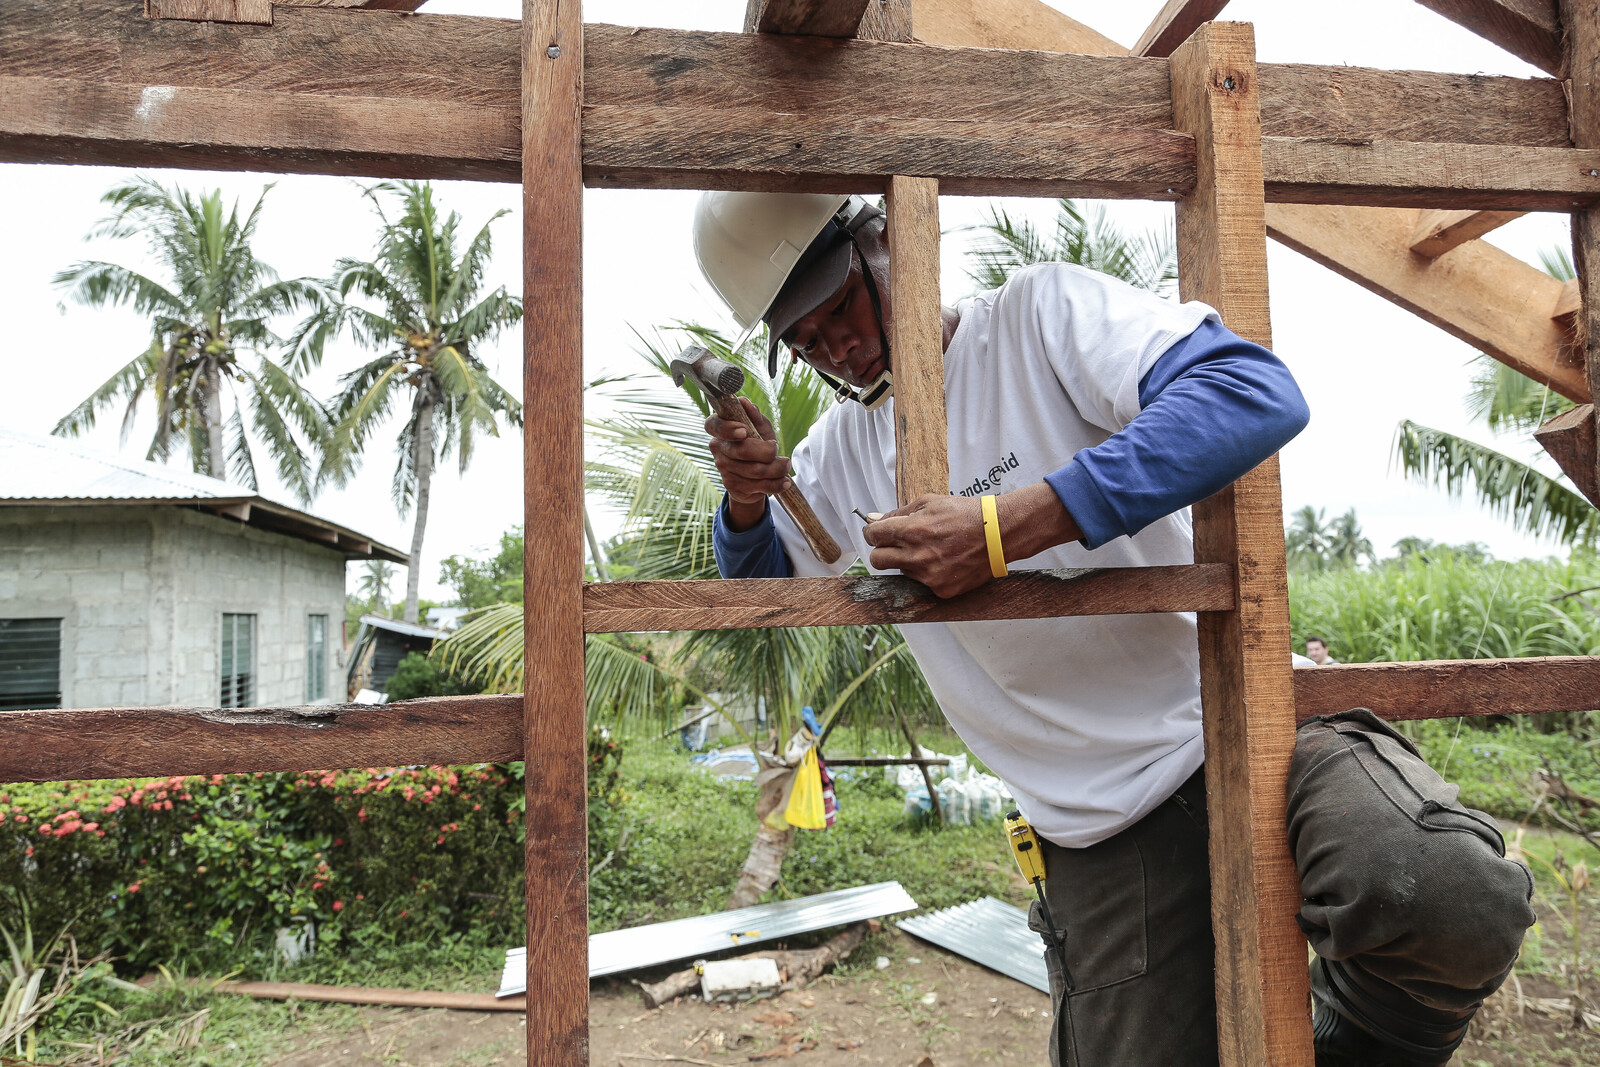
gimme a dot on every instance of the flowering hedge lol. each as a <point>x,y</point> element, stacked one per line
<point>202,867</point>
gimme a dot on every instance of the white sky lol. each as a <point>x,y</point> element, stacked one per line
<point>1364,363</point>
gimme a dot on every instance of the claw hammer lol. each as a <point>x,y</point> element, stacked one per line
<point>721,381</point>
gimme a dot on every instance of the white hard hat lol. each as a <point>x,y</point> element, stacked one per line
<point>748,243</point>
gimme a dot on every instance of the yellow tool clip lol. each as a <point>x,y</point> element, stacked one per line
<point>1025,846</point>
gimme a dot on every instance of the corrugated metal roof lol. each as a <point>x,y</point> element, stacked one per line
<point>681,939</point>
<point>411,629</point>
<point>990,932</point>
<point>33,467</point>
<point>38,470</point>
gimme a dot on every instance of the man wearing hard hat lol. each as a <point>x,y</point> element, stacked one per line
<point>1085,416</point>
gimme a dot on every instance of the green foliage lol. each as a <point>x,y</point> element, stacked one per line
<point>216,307</point>
<point>1315,545</point>
<point>480,583</point>
<point>1436,604</point>
<point>1500,769</point>
<point>1084,235</point>
<point>209,868</point>
<point>418,675</point>
<point>687,832</point>
<point>1533,502</point>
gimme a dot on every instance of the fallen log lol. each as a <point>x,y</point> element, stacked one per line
<point>798,967</point>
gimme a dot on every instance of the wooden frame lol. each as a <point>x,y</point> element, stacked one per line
<point>1416,167</point>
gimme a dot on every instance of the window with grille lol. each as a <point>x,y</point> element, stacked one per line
<point>316,657</point>
<point>30,664</point>
<point>238,660</point>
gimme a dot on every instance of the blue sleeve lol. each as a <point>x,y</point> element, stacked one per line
<point>1213,407</point>
<point>752,553</point>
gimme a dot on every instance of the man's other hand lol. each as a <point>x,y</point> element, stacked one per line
<point>938,540</point>
<point>750,468</point>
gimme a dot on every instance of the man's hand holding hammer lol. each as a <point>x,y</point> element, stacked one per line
<point>750,466</point>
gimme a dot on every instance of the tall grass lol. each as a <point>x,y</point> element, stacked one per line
<point>1447,606</point>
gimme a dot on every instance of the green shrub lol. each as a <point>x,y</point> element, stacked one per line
<point>418,675</point>
<point>210,868</point>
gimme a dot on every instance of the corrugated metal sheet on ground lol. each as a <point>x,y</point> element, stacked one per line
<point>681,939</point>
<point>990,932</point>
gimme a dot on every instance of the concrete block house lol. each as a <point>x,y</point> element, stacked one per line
<point>131,583</point>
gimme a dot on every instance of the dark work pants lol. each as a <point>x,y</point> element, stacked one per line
<point>1407,892</point>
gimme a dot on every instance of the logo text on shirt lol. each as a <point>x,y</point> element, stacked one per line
<point>997,472</point>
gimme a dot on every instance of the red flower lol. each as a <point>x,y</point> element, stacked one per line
<point>134,888</point>
<point>22,818</point>
<point>117,804</point>
<point>477,807</point>
<point>91,826</point>
<point>338,905</point>
<point>28,851</point>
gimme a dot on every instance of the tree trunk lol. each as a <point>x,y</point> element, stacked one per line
<point>765,861</point>
<point>216,459</point>
<point>761,866</point>
<point>422,467</point>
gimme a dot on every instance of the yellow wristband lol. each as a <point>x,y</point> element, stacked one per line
<point>991,534</point>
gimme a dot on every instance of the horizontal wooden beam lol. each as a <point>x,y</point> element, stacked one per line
<point>1528,29</point>
<point>1438,232</point>
<point>1437,689</point>
<point>87,743</point>
<point>1477,292</point>
<point>327,91</point>
<point>49,746</point>
<point>1569,438</point>
<point>645,147</point>
<point>729,604</point>
<point>1306,170</point>
<point>1173,25</point>
<point>815,18</point>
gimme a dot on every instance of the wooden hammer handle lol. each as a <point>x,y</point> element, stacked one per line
<point>793,501</point>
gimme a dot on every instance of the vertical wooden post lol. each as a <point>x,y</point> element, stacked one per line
<point>1263,996</point>
<point>1580,32</point>
<point>886,20</point>
<point>553,692</point>
<point>916,339</point>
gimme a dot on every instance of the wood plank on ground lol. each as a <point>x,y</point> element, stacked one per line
<point>746,603</point>
<point>399,998</point>
<point>1263,995</point>
<point>1173,25</point>
<point>1438,689</point>
<point>554,707</point>
<point>815,18</point>
<point>1438,232</point>
<point>916,337</point>
<point>1528,29</point>
<point>85,743</point>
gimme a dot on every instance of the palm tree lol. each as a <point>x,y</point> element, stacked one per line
<point>374,585</point>
<point>214,309</point>
<point>1307,539</point>
<point>1082,235</point>
<point>1504,399</point>
<point>429,318</point>
<point>1347,545</point>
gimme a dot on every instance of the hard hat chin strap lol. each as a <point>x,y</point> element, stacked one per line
<point>851,216</point>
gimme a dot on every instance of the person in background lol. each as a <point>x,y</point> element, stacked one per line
<point>1317,651</point>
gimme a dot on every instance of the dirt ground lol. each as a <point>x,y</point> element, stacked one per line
<point>927,1009</point>
<point>926,1003</point>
